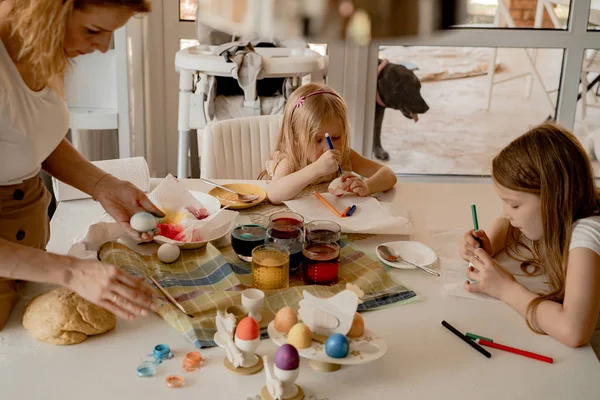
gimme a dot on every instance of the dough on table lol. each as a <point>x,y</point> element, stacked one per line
<point>63,317</point>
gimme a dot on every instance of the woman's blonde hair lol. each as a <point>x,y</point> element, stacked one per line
<point>548,161</point>
<point>307,109</point>
<point>40,26</point>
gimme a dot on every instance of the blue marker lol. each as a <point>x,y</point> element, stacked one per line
<point>351,211</point>
<point>332,148</point>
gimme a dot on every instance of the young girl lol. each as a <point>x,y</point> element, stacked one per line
<point>551,209</point>
<point>303,156</point>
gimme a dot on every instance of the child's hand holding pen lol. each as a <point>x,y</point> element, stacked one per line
<point>474,239</point>
<point>469,242</point>
<point>328,163</point>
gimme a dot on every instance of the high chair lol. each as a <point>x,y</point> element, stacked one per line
<point>197,67</point>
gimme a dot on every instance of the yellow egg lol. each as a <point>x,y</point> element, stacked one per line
<point>358,326</point>
<point>285,319</point>
<point>300,336</point>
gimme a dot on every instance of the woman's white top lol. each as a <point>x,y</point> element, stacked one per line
<point>32,124</point>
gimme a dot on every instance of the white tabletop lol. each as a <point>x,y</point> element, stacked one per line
<point>424,360</point>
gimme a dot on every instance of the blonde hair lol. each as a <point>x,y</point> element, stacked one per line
<point>40,26</point>
<point>548,161</point>
<point>304,114</point>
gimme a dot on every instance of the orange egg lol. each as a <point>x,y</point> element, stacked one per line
<point>247,329</point>
<point>285,319</point>
<point>358,327</point>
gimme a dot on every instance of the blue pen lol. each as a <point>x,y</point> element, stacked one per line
<point>351,211</point>
<point>332,148</point>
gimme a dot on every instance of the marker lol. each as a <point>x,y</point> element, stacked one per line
<point>332,148</point>
<point>352,209</point>
<point>464,339</point>
<point>473,336</point>
<point>475,222</point>
<point>346,211</point>
<point>515,351</point>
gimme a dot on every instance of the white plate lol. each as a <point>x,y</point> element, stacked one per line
<point>415,252</point>
<point>212,205</point>
<point>364,349</point>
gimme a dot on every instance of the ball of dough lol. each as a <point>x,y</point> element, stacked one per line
<point>63,317</point>
<point>168,252</point>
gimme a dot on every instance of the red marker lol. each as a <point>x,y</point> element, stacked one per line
<point>515,351</point>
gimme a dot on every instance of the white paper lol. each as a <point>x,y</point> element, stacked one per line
<point>370,215</point>
<point>180,207</point>
<point>170,196</point>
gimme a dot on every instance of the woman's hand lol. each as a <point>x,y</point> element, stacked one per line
<point>469,243</point>
<point>490,277</point>
<point>354,184</point>
<point>121,199</point>
<point>111,288</point>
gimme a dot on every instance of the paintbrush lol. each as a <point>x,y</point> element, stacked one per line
<point>169,297</point>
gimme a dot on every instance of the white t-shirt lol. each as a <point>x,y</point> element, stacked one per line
<point>586,233</point>
<point>32,124</point>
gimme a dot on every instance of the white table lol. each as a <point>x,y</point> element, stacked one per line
<point>424,360</point>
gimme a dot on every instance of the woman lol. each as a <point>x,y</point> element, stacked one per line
<point>38,37</point>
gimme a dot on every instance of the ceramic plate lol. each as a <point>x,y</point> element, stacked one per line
<point>230,199</point>
<point>415,252</point>
<point>364,349</point>
<point>212,205</point>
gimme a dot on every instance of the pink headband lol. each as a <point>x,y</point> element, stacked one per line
<point>302,99</point>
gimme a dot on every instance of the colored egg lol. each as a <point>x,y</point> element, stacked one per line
<point>247,329</point>
<point>287,358</point>
<point>337,346</point>
<point>300,336</point>
<point>358,327</point>
<point>285,319</point>
<point>143,222</point>
<point>168,252</point>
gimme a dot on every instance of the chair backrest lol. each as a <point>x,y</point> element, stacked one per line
<point>238,148</point>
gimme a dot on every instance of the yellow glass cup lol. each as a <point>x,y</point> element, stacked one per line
<point>270,267</point>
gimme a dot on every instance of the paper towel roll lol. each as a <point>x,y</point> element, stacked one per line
<point>134,170</point>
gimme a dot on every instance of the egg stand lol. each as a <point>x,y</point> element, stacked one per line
<point>322,366</point>
<point>252,362</point>
<point>289,390</point>
<point>240,357</point>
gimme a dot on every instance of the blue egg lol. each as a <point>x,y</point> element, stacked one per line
<point>337,346</point>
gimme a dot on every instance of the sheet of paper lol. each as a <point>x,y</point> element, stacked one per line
<point>454,269</point>
<point>370,215</point>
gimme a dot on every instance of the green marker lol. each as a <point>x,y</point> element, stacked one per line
<point>474,212</point>
<point>473,336</point>
<point>475,223</point>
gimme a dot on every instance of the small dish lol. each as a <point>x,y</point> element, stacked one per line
<point>229,199</point>
<point>415,252</point>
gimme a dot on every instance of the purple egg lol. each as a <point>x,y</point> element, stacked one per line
<point>287,358</point>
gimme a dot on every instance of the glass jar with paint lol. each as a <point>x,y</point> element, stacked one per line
<point>270,267</point>
<point>248,232</point>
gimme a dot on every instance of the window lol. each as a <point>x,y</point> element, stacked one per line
<point>457,135</point>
